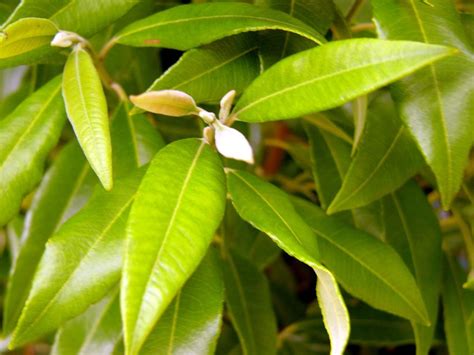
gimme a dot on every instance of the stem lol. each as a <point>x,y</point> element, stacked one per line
<point>368,26</point>
<point>354,9</point>
<point>106,49</point>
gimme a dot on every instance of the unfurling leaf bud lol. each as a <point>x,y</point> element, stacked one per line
<point>231,143</point>
<point>166,102</point>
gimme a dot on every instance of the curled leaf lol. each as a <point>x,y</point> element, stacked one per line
<point>226,104</point>
<point>232,144</point>
<point>166,102</point>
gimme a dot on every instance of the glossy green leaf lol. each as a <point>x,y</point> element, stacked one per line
<point>25,39</point>
<point>269,210</point>
<point>87,111</point>
<point>458,306</point>
<point>88,250</point>
<point>436,103</point>
<point>190,26</point>
<point>413,230</point>
<point>209,72</point>
<point>186,328</point>
<point>250,307</point>
<point>96,331</point>
<point>85,17</point>
<point>300,85</point>
<point>386,158</point>
<point>360,262</point>
<point>26,136</point>
<point>168,236</point>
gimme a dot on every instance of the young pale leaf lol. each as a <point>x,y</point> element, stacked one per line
<point>436,103</point>
<point>26,136</point>
<point>269,210</point>
<point>24,39</point>
<point>88,250</point>
<point>458,306</point>
<point>232,144</point>
<point>192,322</point>
<point>299,85</point>
<point>190,26</point>
<point>166,102</point>
<point>207,73</point>
<point>87,111</point>
<point>96,331</point>
<point>250,306</point>
<point>386,158</point>
<point>359,262</point>
<point>168,236</point>
<point>413,230</point>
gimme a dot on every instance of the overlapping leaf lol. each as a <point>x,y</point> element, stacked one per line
<point>189,26</point>
<point>26,136</point>
<point>249,303</point>
<point>269,210</point>
<point>87,111</point>
<point>169,235</point>
<point>192,322</point>
<point>436,103</point>
<point>88,250</point>
<point>359,262</point>
<point>300,84</point>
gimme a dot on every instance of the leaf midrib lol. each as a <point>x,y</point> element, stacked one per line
<point>361,262</point>
<point>169,227</point>
<point>173,325</point>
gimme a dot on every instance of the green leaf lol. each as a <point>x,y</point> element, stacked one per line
<point>148,139</point>
<point>96,331</point>
<point>25,41</point>
<point>436,103</point>
<point>269,210</point>
<point>167,237</point>
<point>88,250</point>
<point>85,17</point>
<point>249,304</point>
<point>185,328</point>
<point>209,72</point>
<point>413,230</point>
<point>359,262</point>
<point>458,305</point>
<point>87,111</point>
<point>385,159</point>
<point>26,136</point>
<point>190,26</point>
<point>299,85</point>
<point>64,189</point>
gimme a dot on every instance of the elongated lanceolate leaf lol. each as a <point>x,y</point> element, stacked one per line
<point>458,306</point>
<point>330,75</point>
<point>24,40</point>
<point>87,111</point>
<point>249,303</point>
<point>190,26</point>
<point>88,250</point>
<point>96,331</point>
<point>269,210</point>
<point>360,263</point>
<point>436,103</point>
<point>413,230</point>
<point>192,322</point>
<point>386,158</point>
<point>26,136</point>
<point>179,205</point>
<point>209,72</point>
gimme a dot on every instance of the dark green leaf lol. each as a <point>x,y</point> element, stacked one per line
<point>436,103</point>
<point>249,304</point>
<point>190,26</point>
<point>299,85</point>
<point>187,327</point>
<point>168,236</point>
<point>26,136</point>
